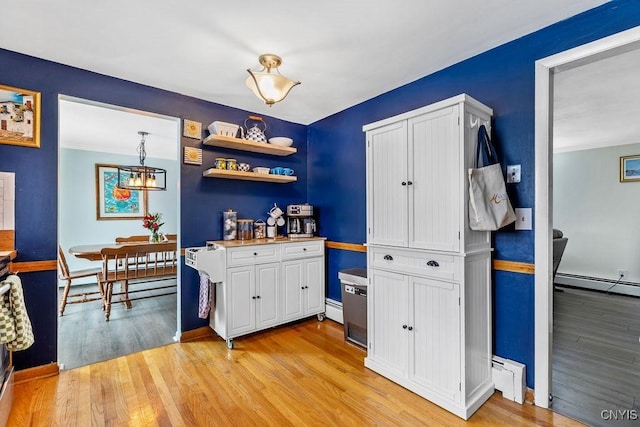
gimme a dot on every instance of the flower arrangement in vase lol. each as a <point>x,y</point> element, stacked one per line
<point>153,224</point>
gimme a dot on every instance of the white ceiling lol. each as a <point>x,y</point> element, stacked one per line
<point>344,52</point>
<point>597,104</point>
<point>110,129</point>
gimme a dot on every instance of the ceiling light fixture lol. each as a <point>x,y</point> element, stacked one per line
<point>268,85</point>
<point>142,177</point>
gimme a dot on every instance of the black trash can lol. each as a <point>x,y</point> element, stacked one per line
<point>354,304</point>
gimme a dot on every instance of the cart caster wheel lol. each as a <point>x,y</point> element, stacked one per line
<point>230,344</point>
<point>320,317</point>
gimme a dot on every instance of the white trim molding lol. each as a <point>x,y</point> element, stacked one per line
<point>545,69</point>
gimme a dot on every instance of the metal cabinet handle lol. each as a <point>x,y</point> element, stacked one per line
<point>404,183</point>
<point>388,257</point>
<point>410,183</point>
<point>258,296</point>
<point>433,263</point>
<point>410,328</point>
<point>304,249</point>
<point>253,297</point>
<point>404,326</point>
<point>255,254</point>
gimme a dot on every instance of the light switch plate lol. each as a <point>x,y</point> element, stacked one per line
<point>523,219</point>
<point>513,174</point>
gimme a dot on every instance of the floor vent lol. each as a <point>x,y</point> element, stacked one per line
<point>509,378</point>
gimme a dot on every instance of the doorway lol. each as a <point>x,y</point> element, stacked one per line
<point>92,134</point>
<point>545,70</point>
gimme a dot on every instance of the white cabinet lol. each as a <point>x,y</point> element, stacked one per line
<point>268,284</point>
<point>429,299</point>
<point>303,282</point>
<point>258,286</point>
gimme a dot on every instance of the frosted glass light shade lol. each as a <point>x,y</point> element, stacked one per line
<point>268,84</point>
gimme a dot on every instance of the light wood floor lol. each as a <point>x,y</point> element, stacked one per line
<point>596,355</point>
<point>84,337</point>
<point>301,375</point>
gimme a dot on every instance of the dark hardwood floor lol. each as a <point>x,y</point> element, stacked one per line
<point>596,357</point>
<point>84,337</point>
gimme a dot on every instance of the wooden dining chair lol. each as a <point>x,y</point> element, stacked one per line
<point>142,264</point>
<point>142,238</point>
<point>68,276</point>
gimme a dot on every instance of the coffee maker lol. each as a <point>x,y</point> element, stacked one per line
<point>300,222</point>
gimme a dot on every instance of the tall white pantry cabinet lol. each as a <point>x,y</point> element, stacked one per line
<point>429,297</point>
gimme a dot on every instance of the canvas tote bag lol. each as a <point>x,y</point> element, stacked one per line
<point>489,205</point>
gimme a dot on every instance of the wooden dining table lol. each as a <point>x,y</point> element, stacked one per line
<point>92,251</point>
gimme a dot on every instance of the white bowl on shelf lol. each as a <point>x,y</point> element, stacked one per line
<point>282,141</point>
<point>261,170</point>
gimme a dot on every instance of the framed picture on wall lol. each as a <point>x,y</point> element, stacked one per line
<point>19,117</point>
<point>113,202</point>
<point>630,168</point>
<point>192,129</point>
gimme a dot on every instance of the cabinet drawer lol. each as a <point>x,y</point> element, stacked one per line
<point>302,249</point>
<point>253,255</point>
<point>423,263</point>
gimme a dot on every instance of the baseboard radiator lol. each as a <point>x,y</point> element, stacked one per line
<point>333,310</point>
<point>509,378</point>
<point>598,284</point>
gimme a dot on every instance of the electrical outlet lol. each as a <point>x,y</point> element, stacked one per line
<point>622,274</point>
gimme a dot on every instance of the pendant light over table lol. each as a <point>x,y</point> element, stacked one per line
<point>142,177</point>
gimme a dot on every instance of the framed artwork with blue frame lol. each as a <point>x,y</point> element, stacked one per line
<point>630,168</point>
<point>113,203</point>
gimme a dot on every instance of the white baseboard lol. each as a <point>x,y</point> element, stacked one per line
<point>597,284</point>
<point>333,310</point>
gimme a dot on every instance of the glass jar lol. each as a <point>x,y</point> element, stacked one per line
<point>229,224</point>
<point>245,229</point>
<point>259,229</point>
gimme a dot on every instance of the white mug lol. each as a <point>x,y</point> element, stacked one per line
<point>271,231</point>
<point>275,212</point>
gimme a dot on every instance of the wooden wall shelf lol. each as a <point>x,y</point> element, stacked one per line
<point>245,145</point>
<point>247,176</point>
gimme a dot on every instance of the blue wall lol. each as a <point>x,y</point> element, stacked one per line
<point>503,79</point>
<point>332,172</point>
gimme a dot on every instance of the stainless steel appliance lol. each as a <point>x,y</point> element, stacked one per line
<point>300,221</point>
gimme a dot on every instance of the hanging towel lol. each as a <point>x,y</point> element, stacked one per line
<point>7,322</point>
<point>204,301</point>
<point>24,334</point>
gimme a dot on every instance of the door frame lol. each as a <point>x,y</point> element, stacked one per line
<point>543,292</point>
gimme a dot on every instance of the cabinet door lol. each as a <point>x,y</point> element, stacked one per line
<point>435,339</point>
<point>313,294</point>
<point>292,290</point>
<point>240,307</point>
<point>266,295</point>
<point>388,320</point>
<point>386,194</point>
<point>435,172</point>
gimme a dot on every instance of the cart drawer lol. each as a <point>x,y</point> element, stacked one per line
<point>302,249</point>
<point>253,255</point>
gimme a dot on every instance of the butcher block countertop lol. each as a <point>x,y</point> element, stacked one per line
<point>254,242</point>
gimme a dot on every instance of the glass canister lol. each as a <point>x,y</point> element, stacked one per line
<point>229,224</point>
<point>259,229</point>
<point>245,229</point>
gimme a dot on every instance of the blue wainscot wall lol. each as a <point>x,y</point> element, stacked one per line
<point>503,79</point>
